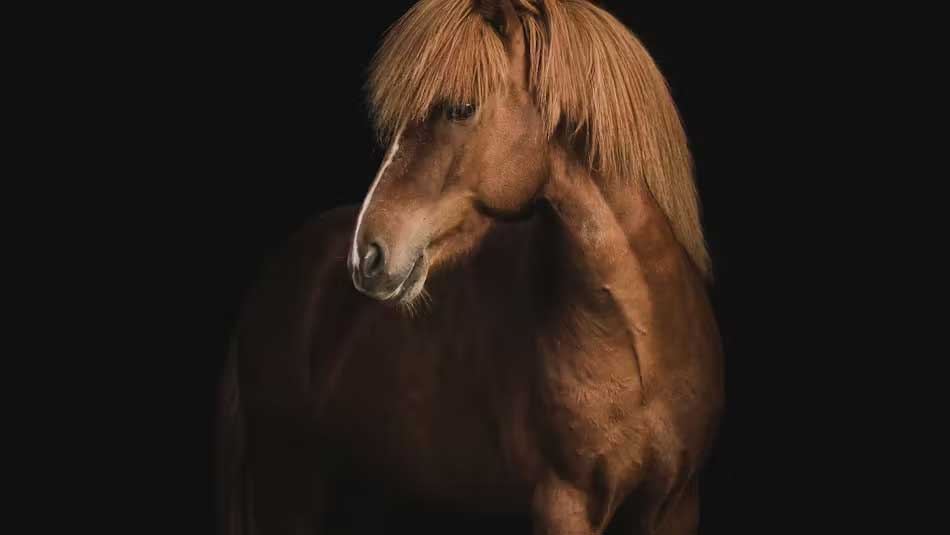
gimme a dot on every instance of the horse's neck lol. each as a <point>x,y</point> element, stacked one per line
<point>616,237</point>
<point>617,252</point>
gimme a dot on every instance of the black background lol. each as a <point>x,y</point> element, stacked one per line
<point>225,129</point>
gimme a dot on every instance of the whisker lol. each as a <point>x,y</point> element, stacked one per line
<point>426,299</point>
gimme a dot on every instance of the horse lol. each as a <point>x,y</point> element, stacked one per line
<point>516,318</point>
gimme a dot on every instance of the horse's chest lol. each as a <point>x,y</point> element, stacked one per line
<point>437,416</point>
<point>589,401</point>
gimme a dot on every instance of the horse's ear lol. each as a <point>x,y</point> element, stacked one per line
<point>533,6</point>
<point>500,15</point>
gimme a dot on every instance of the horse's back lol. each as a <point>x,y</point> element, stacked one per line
<point>299,289</point>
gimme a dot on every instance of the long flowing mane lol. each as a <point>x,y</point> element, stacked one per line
<point>592,78</point>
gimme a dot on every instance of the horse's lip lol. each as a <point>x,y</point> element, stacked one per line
<point>405,285</point>
<point>410,279</point>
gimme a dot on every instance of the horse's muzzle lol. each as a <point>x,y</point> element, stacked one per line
<point>372,278</point>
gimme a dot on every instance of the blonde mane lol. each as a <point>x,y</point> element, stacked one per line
<point>592,79</point>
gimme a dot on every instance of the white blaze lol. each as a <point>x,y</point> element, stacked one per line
<point>354,254</point>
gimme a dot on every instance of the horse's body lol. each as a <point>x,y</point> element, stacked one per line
<point>567,366</point>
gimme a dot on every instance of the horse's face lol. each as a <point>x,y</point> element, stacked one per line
<point>444,180</point>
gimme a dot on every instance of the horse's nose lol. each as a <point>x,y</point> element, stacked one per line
<point>372,261</point>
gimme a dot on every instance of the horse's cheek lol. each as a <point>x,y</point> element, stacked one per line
<point>504,192</point>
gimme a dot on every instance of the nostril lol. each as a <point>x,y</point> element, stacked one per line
<point>372,262</point>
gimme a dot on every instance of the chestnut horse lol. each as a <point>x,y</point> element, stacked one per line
<point>529,331</point>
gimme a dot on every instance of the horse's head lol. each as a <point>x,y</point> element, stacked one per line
<point>477,99</point>
<point>476,153</point>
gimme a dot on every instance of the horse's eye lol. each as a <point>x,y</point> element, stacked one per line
<point>459,112</point>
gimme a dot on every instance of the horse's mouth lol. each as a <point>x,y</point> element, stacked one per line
<point>412,285</point>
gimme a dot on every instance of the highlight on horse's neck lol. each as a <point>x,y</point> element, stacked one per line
<point>586,218</point>
<point>609,212</point>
